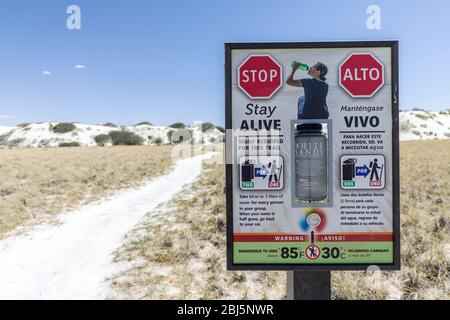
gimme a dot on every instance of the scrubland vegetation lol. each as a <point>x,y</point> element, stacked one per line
<point>37,183</point>
<point>180,253</point>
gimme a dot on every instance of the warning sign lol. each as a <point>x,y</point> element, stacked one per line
<point>312,153</point>
<point>361,75</point>
<point>259,76</point>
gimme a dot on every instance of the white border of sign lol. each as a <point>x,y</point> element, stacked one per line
<point>357,45</point>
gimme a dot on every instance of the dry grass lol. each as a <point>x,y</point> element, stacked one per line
<point>180,253</point>
<point>425,226</point>
<point>38,183</point>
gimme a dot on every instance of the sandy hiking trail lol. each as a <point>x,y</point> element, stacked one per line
<point>72,260</point>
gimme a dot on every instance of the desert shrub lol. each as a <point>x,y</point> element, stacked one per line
<point>421,116</point>
<point>44,143</point>
<point>178,125</point>
<point>221,129</point>
<point>69,144</point>
<point>205,126</point>
<point>405,126</point>
<point>417,109</point>
<point>102,139</point>
<point>4,139</point>
<point>126,138</point>
<point>447,134</point>
<point>423,125</point>
<point>23,125</point>
<point>158,141</point>
<point>110,124</point>
<point>15,142</point>
<point>144,123</point>
<point>417,133</point>
<point>63,127</point>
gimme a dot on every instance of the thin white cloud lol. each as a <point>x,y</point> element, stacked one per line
<point>6,116</point>
<point>80,66</point>
<point>46,73</point>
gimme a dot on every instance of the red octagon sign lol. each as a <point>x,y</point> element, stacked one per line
<point>361,75</point>
<point>259,76</point>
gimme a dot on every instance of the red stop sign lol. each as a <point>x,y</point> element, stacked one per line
<point>259,76</point>
<point>361,75</point>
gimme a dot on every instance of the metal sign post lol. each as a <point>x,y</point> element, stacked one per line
<point>308,285</point>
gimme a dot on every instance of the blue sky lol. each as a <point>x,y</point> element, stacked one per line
<point>162,61</point>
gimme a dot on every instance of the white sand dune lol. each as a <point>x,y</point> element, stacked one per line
<point>424,125</point>
<point>414,125</point>
<point>35,135</point>
<point>73,259</point>
<point>4,129</point>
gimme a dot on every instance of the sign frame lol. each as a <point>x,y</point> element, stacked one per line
<point>393,45</point>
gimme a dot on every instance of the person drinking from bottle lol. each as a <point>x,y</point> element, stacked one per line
<point>313,105</point>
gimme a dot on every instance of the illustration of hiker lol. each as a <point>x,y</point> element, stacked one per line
<point>273,171</point>
<point>313,105</point>
<point>312,252</point>
<point>374,170</point>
